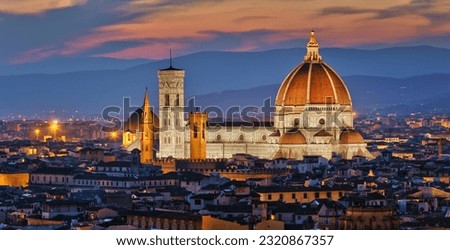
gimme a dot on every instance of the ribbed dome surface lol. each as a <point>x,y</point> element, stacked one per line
<point>351,137</point>
<point>312,82</point>
<point>293,138</point>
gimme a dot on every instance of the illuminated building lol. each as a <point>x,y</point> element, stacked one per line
<point>313,117</point>
<point>139,131</point>
<point>369,218</point>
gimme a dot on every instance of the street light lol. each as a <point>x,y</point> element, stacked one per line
<point>36,132</point>
<point>54,128</point>
<point>114,135</point>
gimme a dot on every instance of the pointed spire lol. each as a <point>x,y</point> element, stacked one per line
<point>312,49</point>
<point>146,100</point>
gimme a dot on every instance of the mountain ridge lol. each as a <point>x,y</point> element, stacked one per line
<point>211,72</point>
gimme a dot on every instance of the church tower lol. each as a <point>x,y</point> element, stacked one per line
<point>147,132</point>
<point>197,127</point>
<point>171,112</point>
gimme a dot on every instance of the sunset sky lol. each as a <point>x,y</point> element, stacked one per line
<point>34,30</point>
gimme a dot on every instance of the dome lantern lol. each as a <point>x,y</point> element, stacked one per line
<point>312,49</point>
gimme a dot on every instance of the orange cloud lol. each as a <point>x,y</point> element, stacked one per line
<point>34,55</point>
<point>36,6</point>
<point>154,50</point>
<point>162,24</point>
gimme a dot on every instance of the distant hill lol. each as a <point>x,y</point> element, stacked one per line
<point>57,65</point>
<point>376,78</point>
<point>427,93</point>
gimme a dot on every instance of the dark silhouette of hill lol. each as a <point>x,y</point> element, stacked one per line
<point>376,79</point>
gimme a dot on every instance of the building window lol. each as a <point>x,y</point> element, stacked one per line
<point>281,197</point>
<point>203,130</point>
<point>305,195</point>
<point>316,195</point>
<point>177,100</point>
<point>166,100</point>
<point>328,194</point>
<point>195,130</point>
<point>269,197</point>
<point>340,194</point>
<point>280,217</point>
<point>293,196</point>
<point>197,202</point>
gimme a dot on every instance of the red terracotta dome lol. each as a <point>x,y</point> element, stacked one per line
<point>312,82</point>
<point>293,138</point>
<point>351,137</point>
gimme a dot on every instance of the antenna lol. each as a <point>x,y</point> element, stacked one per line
<point>170,53</point>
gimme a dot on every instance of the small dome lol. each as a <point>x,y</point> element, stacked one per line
<point>293,138</point>
<point>312,82</point>
<point>351,137</point>
<point>133,122</point>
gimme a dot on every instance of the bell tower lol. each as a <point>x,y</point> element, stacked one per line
<point>147,132</point>
<point>171,112</point>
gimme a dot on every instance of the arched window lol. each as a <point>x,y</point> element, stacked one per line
<point>177,100</point>
<point>166,100</point>
<point>195,130</point>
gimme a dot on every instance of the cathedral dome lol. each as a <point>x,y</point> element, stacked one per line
<point>312,82</point>
<point>135,120</point>
<point>351,137</point>
<point>293,138</point>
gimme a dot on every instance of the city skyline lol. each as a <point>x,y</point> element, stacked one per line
<point>149,28</point>
<point>292,115</point>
